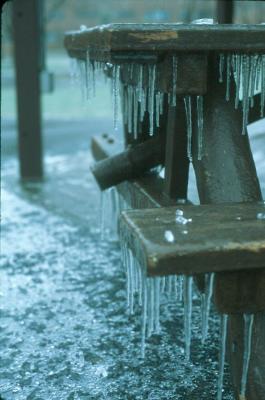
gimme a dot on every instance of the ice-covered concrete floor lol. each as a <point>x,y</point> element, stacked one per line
<point>65,333</point>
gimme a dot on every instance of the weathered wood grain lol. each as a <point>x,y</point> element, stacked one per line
<point>168,37</point>
<point>219,238</point>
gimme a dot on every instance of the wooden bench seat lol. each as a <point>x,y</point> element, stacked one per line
<point>219,238</point>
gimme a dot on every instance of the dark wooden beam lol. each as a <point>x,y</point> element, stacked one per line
<point>176,160</point>
<point>225,11</point>
<point>156,38</point>
<point>27,61</point>
<point>227,174</point>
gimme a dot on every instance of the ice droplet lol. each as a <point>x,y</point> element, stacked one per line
<point>169,236</point>
<point>261,216</point>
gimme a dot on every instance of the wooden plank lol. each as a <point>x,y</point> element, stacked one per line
<point>168,37</point>
<point>219,238</point>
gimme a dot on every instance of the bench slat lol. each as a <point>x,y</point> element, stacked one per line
<point>219,238</point>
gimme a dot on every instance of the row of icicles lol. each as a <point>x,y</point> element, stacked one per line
<point>148,293</point>
<point>137,98</point>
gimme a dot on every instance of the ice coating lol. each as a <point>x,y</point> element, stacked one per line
<point>248,327</point>
<point>222,351</point>
<point>169,236</point>
<point>248,73</point>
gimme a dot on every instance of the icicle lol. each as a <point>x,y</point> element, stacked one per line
<point>125,104</point>
<point>187,314</point>
<point>221,67</point>
<point>114,209</point>
<point>169,288</point>
<point>258,72</point>
<point>228,75</point>
<point>135,115</point>
<point>140,83</point>
<point>175,285</point>
<point>206,303</point>
<point>161,103</point>
<point>237,78</point>
<point>157,305</point>
<point>262,96</point>
<point>151,306</point>
<point>174,80</point>
<point>87,75</point>
<point>131,285</point>
<point>140,284</point>
<point>143,104</point>
<point>180,288</point>
<point>224,319</point>
<point>253,61</point>
<point>187,101</point>
<point>93,78</point>
<point>151,94</point>
<point>130,107</point>
<point>144,315</point>
<point>200,125</point>
<point>245,82</point>
<point>248,325</point>
<point>163,284</point>
<point>157,112</point>
<point>128,277</point>
<point>116,83</point>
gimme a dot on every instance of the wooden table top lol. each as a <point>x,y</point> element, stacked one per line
<point>167,37</point>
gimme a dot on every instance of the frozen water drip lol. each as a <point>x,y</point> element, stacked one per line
<point>248,72</point>
<point>187,314</point>
<point>169,236</point>
<point>200,125</point>
<point>206,304</point>
<point>116,84</point>
<point>228,76</point>
<point>151,96</point>
<point>187,102</point>
<point>223,334</point>
<point>248,327</point>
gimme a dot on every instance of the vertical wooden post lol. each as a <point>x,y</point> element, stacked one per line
<point>225,11</point>
<point>27,61</point>
<point>226,174</point>
<point>176,160</point>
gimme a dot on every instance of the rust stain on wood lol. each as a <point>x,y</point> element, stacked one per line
<point>153,36</point>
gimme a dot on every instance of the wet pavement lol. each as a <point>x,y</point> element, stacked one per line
<point>65,331</point>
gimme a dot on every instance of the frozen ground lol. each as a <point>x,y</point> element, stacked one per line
<point>65,333</point>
